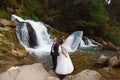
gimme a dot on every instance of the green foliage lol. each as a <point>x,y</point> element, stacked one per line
<point>98,16</point>
<point>114,38</point>
<point>32,5</point>
<point>4,14</point>
<point>32,9</point>
<point>34,17</point>
<point>76,1</point>
<point>94,17</point>
<point>9,3</point>
<point>84,23</point>
<point>9,34</point>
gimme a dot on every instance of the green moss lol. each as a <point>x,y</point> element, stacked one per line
<point>114,35</point>
<point>9,34</point>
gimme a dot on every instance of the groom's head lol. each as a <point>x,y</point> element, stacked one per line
<point>55,39</point>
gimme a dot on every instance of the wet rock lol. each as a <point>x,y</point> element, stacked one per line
<point>52,78</point>
<point>21,52</point>
<point>68,77</point>
<point>5,28</point>
<point>87,75</point>
<point>107,69</point>
<point>114,61</point>
<point>27,72</point>
<point>52,73</point>
<point>32,36</point>
<point>102,61</point>
<point>5,22</point>
<point>110,46</point>
<point>85,40</point>
<point>1,35</point>
<point>104,42</point>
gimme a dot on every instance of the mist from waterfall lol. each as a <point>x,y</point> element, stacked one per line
<point>43,45</point>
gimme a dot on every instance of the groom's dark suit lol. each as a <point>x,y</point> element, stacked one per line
<point>54,53</point>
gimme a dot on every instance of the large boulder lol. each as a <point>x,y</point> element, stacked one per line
<point>52,73</point>
<point>102,61</point>
<point>68,77</point>
<point>27,72</point>
<point>114,61</point>
<point>85,75</point>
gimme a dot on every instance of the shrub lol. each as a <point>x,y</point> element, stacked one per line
<point>4,14</point>
<point>114,38</point>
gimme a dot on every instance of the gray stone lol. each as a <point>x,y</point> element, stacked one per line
<point>114,61</point>
<point>102,60</point>
<point>87,75</point>
<point>68,77</point>
<point>9,75</point>
<point>52,73</point>
<point>27,72</point>
<point>7,22</point>
<point>52,78</point>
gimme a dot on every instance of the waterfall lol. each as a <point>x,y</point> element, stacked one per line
<point>75,40</point>
<point>35,38</point>
<point>108,1</point>
<point>42,37</point>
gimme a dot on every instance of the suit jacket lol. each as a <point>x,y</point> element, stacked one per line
<point>56,49</point>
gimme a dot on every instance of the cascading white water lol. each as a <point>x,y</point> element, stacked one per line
<point>108,1</point>
<point>43,38</point>
<point>75,40</point>
<point>72,42</point>
<point>89,43</point>
<point>24,33</point>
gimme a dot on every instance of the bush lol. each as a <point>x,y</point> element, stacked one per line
<point>114,38</point>
<point>4,14</point>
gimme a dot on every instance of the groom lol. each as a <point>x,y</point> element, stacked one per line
<point>54,52</point>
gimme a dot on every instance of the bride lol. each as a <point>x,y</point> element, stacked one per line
<point>64,64</point>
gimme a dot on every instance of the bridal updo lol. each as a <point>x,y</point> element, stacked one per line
<point>61,42</point>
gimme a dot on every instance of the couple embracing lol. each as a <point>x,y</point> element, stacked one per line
<point>62,63</point>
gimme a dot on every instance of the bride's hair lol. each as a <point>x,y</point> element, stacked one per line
<point>61,42</point>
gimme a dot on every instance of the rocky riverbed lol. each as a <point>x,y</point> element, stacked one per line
<point>12,54</point>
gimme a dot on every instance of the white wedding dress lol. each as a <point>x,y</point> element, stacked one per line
<point>64,64</point>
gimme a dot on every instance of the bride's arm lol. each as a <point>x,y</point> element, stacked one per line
<point>63,50</point>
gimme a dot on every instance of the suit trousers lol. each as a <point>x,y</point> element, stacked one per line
<point>54,60</point>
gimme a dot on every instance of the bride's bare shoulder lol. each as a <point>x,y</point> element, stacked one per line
<point>62,45</point>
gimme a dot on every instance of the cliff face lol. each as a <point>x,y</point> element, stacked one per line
<point>11,52</point>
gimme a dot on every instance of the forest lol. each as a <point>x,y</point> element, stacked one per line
<point>96,18</point>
